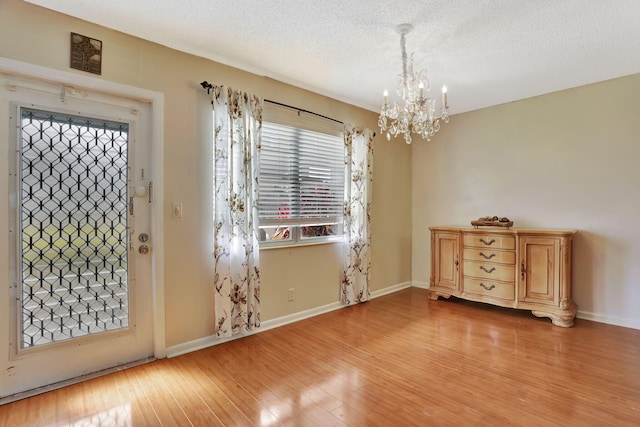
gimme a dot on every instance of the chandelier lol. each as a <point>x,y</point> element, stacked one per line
<point>417,115</point>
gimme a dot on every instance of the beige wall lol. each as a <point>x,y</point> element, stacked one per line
<point>564,160</point>
<point>38,36</point>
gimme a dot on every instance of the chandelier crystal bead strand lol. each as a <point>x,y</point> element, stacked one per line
<point>417,114</point>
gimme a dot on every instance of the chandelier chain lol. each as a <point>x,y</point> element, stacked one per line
<point>403,47</point>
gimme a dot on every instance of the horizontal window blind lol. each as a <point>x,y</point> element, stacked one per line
<point>301,176</point>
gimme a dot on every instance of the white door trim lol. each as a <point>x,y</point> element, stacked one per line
<point>77,80</point>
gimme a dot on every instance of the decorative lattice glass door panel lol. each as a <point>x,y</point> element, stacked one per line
<point>73,217</point>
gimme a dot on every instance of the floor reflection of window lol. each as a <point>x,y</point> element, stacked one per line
<point>117,416</point>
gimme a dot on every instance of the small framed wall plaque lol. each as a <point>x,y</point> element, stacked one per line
<point>86,54</point>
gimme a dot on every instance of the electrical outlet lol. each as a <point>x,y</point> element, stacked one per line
<point>291,294</point>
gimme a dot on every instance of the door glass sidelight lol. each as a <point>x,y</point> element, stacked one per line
<point>72,215</point>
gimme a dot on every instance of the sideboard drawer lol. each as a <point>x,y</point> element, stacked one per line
<point>490,241</point>
<point>490,288</point>
<point>505,273</point>
<point>490,255</point>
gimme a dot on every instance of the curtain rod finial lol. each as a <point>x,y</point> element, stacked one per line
<point>206,85</point>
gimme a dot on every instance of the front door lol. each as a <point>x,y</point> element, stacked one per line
<point>79,214</point>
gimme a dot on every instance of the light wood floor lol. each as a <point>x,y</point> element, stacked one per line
<point>398,360</point>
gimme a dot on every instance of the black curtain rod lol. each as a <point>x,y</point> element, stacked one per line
<point>300,110</point>
<point>208,86</point>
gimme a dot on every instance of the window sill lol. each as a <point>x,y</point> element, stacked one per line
<point>282,245</point>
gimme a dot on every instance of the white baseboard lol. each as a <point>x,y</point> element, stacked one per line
<point>199,344</point>
<point>419,284</point>
<point>390,289</point>
<point>301,315</point>
<point>611,320</point>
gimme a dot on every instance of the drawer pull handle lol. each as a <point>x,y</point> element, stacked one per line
<point>491,270</point>
<point>487,257</point>
<point>487,243</point>
<point>488,288</point>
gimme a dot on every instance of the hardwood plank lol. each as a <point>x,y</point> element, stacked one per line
<point>110,409</point>
<point>46,409</point>
<point>80,403</point>
<point>279,388</point>
<point>191,404</point>
<point>16,414</point>
<point>223,372</point>
<point>215,399</point>
<point>141,411</point>
<point>166,409</point>
<point>396,360</point>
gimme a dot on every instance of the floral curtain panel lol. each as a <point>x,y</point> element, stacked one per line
<point>237,118</point>
<point>357,207</point>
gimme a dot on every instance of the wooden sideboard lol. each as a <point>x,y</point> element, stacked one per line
<point>528,269</point>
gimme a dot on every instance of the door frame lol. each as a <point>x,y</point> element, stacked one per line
<point>156,100</point>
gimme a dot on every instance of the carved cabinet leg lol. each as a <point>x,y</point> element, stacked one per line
<point>433,295</point>
<point>563,320</point>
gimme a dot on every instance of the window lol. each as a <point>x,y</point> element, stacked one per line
<point>301,185</point>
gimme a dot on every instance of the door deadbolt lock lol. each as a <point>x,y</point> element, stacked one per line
<point>143,237</point>
<point>143,249</point>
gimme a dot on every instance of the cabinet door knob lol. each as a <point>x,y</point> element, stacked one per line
<point>487,243</point>
<point>487,256</point>
<point>457,262</point>
<point>522,270</point>
<point>491,270</point>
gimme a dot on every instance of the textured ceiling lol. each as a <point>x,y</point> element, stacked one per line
<point>488,52</point>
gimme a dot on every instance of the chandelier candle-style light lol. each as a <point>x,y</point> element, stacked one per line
<point>417,115</point>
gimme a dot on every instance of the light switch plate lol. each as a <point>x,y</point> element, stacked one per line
<point>176,210</point>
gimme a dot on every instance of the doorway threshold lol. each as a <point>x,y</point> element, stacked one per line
<point>75,380</point>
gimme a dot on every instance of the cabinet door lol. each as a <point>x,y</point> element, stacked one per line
<point>446,260</point>
<point>539,270</point>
